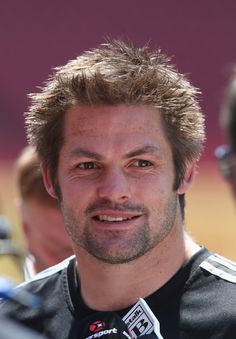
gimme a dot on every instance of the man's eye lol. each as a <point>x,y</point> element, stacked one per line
<point>87,165</point>
<point>142,163</point>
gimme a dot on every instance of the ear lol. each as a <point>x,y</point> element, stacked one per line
<point>47,180</point>
<point>188,179</point>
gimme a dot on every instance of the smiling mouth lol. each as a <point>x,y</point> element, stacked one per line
<point>106,218</point>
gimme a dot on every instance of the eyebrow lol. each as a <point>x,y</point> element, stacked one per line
<point>143,150</point>
<point>94,155</point>
<point>85,153</point>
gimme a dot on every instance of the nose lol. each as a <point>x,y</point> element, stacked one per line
<point>114,186</point>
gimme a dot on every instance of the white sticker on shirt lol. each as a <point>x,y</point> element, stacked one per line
<point>141,320</point>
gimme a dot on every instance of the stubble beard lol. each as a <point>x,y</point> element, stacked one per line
<point>117,247</point>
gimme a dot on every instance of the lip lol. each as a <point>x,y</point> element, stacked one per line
<point>129,216</point>
<point>115,214</point>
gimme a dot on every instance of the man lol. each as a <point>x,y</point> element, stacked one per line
<point>119,132</point>
<point>46,239</point>
<point>226,153</point>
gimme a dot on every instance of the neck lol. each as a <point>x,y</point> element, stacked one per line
<point>107,287</point>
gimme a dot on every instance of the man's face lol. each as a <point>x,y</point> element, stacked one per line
<point>116,178</point>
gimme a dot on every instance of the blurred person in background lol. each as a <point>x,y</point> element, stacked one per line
<point>46,239</point>
<point>226,154</point>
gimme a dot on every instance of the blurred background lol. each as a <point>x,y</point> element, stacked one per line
<point>199,35</point>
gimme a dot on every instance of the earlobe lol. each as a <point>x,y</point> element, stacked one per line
<point>47,180</point>
<point>188,179</point>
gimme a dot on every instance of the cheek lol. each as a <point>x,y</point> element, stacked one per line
<point>157,197</point>
<point>76,194</point>
<point>153,187</point>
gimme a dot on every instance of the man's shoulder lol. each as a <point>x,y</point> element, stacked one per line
<point>51,286</point>
<point>223,269</point>
<point>47,284</point>
<point>208,299</point>
<point>213,281</point>
<point>50,273</point>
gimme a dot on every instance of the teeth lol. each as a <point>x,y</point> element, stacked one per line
<point>108,218</point>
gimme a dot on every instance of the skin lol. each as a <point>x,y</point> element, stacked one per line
<point>116,176</point>
<point>45,234</point>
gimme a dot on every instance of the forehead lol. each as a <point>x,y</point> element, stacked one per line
<point>99,119</point>
<point>114,129</point>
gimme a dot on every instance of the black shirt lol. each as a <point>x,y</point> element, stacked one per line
<point>198,302</point>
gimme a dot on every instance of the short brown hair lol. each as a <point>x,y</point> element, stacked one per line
<point>29,178</point>
<point>118,73</point>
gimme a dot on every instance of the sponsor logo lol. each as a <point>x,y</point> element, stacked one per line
<point>133,317</point>
<point>141,320</point>
<point>102,333</point>
<point>97,326</point>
